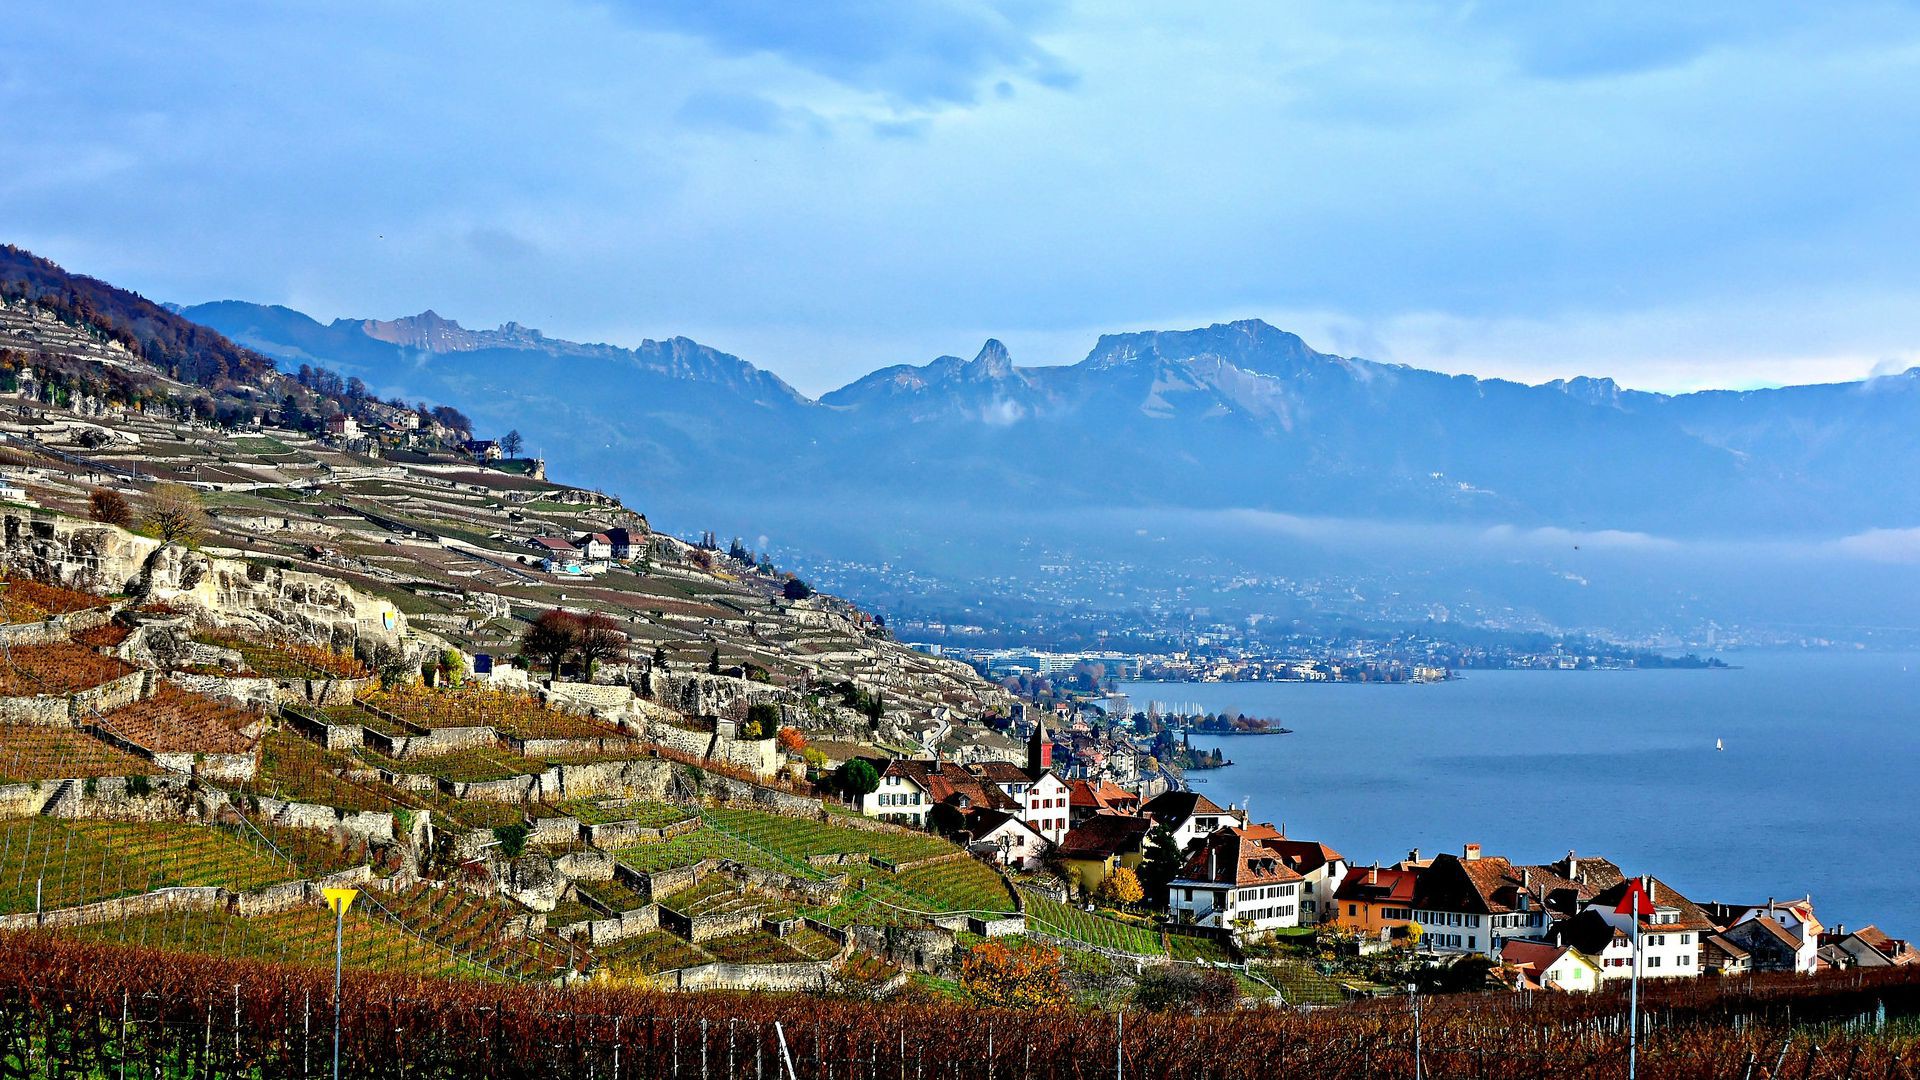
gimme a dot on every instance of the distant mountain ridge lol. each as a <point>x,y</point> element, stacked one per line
<point>1240,416</point>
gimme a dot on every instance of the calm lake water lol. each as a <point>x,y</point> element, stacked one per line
<point>1818,788</point>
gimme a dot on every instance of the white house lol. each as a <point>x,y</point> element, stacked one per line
<point>1796,917</point>
<point>1670,938</point>
<point>1547,966</point>
<point>1471,903</point>
<point>1321,871</point>
<point>596,547</point>
<point>902,796</point>
<point>1042,796</point>
<point>1235,882</point>
<point>1001,837</point>
<point>1189,815</point>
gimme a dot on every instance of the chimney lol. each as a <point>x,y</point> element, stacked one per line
<point>1373,877</point>
<point>1470,852</point>
<point>1526,877</point>
<point>1573,865</point>
<point>1414,855</point>
<point>1212,854</point>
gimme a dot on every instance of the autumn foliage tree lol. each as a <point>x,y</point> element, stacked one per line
<point>598,637</point>
<point>553,635</point>
<point>174,514</point>
<point>1030,976</point>
<point>1122,886</point>
<point>110,507</point>
<point>791,740</point>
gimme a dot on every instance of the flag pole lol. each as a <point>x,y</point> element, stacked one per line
<point>1633,992</point>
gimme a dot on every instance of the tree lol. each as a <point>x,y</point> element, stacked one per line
<point>713,662</point>
<point>792,741</point>
<point>1178,988</point>
<point>763,719</point>
<point>174,515</point>
<point>795,589</point>
<point>1160,866</point>
<point>599,637</point>
<point>1122,885</point>
<point>510,444</point>
<point>551,637</point>
<point>1028,977</point>
<point>110,507</point>
<point>859,778</point>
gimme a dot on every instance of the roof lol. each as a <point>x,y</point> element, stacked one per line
<point>1304,856</point>
<point>1691,915</point>
<point>1106,795</point>
<point>950,784</point>
<point>1173,807</point>
<point>601,537</point>
<point>1725,947</point>
<point>1588,932</point>
<point>983,822</point>
<point>1376,885</point>
<point>1230,856</point>
<point>1005,772</point>
<point>1105,835</point>
<point>1765,925</point>
<point>1533,956</point>
<point>554,543</point>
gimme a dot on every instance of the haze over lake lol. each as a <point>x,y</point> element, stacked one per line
<point>1816,789</point>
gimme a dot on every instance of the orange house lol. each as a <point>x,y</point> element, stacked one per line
<point>1373,899</point>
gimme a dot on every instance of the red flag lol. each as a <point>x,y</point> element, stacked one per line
<point>1635,902</point>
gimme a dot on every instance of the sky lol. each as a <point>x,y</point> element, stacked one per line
<point>1676,195</point>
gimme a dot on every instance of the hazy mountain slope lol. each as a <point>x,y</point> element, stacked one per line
<point>1238,416</point>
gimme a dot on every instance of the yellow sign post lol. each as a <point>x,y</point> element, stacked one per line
<point>338,901</point>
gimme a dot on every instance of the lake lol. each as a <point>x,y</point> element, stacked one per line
<point>1817,789</point>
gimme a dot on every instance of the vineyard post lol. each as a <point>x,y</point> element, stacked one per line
<point>123,1034</point>
<point>339,900</point>
<point>786,1055</point>
<point>306,1031</point>
<point>1119,1045</point>
<point>1633,1000</point>
<point>1414,988</point>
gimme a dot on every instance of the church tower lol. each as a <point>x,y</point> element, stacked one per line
<point>1040,749</point>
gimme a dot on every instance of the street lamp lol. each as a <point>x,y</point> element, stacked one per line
<point>339,900</point>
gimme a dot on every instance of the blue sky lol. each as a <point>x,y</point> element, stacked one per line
<point>1677,195</point>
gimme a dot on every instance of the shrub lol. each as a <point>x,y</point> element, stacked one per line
<point>1027,977</point>
<point>1179,988</point>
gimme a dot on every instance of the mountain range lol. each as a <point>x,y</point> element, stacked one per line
<point>1232,417</point>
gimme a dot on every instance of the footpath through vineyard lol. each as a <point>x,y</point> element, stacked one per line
<point>76,1009</point>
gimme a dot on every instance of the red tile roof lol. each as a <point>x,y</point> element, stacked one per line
<point>1378,885</point>
<point>1103,836</point>
<point>1229,856</point>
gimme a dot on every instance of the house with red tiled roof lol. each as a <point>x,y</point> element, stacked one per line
<point>1036,789</point>
<point>1375,898</point>
<point>1002,837</point>
<point>1234,881</point>
<point>1189,816</point>
<point>1540,965</point>
<point>1085,798</point>
<point>1321,871</point>
<point>1769,945</point>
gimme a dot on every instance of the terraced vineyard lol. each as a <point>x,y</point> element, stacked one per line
<point>964,884</point>
<point>84,861</point>
<point>797,838</point>
<point>1046,915</point>
<point>175,720</point>
<point>301,936</point>
<point>25,600</point>
<point>477,929</point>
<point>475,764</point>
<point>63,668</point>
<point>707,843</point>
<point>36,752</point>
<point>285,659</point>
<point>648,954</point>
<point>508,712</point>
<point>294,769</point>
<point>615,896</point>
<point>647,813</point>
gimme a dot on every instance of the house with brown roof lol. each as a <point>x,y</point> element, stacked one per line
<point>1670,938</point>
<point>1002,837</point>
<point>1101,844</point>
<point>1541,965</point>
<point>1769,945</point>
<point>1718,956</point>
<point>1189,816</point>
<point>1796,917</point>
<point>903,796</point>
<point>1036,789</point>
<point>1372,899</point>
<point>1473,903</point>
<point>1867,947</point>
<point>1234,881</point>
<point>1321,870</point>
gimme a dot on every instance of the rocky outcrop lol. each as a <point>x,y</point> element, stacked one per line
<point>102,558</point>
